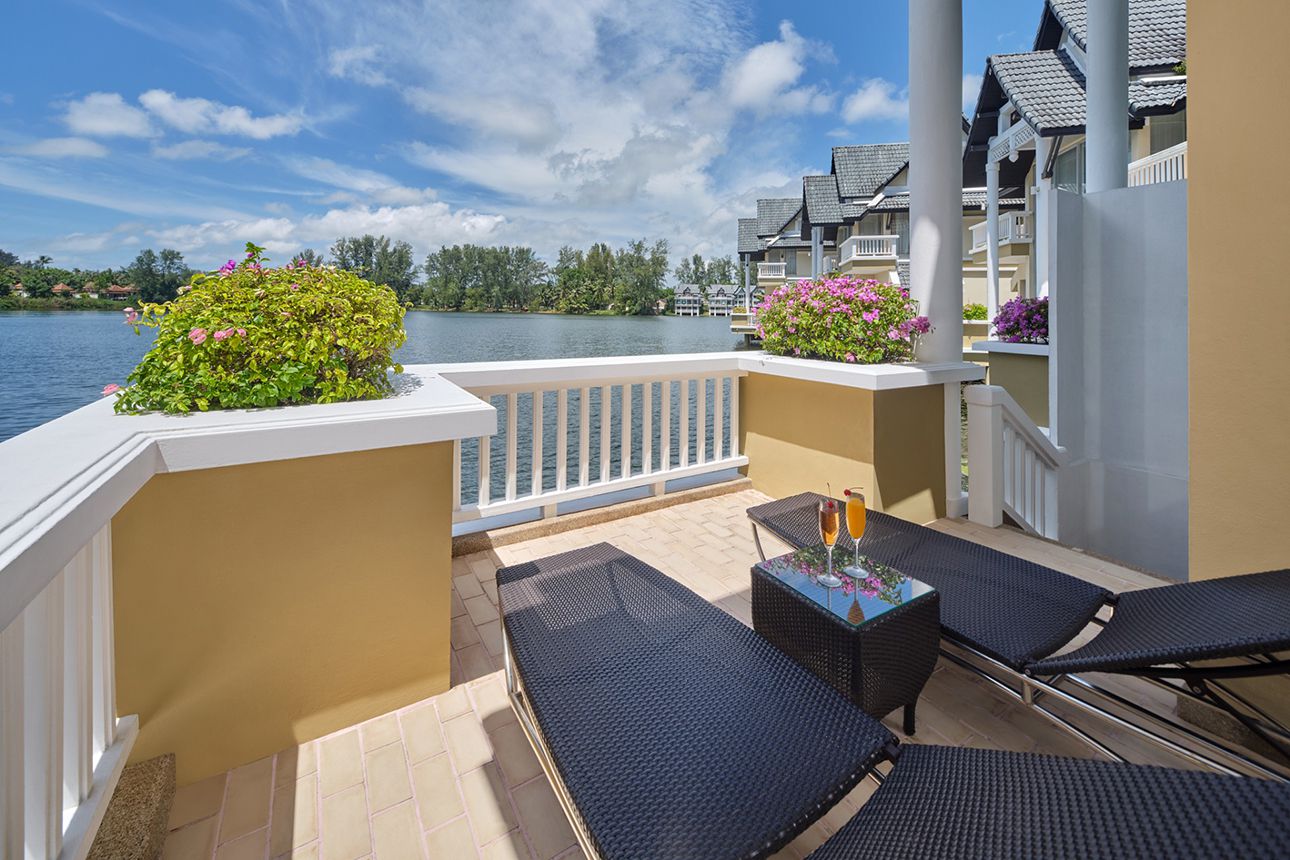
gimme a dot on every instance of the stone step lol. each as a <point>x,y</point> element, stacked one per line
<point>134,826</point>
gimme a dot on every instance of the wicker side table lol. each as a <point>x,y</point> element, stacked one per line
<point>875,639</point>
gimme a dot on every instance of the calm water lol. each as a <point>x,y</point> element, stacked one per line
<point>52,362</point>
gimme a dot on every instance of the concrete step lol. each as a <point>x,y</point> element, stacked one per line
<point>134,826</point>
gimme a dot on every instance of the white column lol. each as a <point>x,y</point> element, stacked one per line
<point>1043,215</point>
<point>992,238</point>
<point>1108,95</point>
<point>747,282</point>
<point>936,173</point>
<point>817,251</point>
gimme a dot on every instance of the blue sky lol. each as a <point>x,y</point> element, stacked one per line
<point>201,126</point>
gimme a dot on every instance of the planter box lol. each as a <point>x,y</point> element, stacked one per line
<point>1021,369</point>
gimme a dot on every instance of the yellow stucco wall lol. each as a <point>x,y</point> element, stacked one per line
<point>802,435</point>
<point>1025,377</point>
<point>1239,307</point>
<point>260,606</point>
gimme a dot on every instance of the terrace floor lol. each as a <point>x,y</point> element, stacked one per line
<point>454,777</point>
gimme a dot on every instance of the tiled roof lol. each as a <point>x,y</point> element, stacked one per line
<point>820,194</point>
<point>749,241</point>
<point>862,170</point>
<point>971,199</point>
<point>1152,97</point>
<point>1046,87</point>
<point>1157,29</point>
<point>791,242</point>
<point>774,212</point>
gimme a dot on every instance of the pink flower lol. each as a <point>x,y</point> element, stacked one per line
<point>286,313</point>
<point>295,287</point>
<point>851,357</point>
<point>111,388</point>
<point>197,336</point>
<point>131,316</point>
<point>870,315</point>
<point>221,334</point>
<point>227,269</point>
<point>241,332</point>
<point>185,289</point>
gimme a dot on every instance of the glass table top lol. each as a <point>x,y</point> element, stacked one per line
<point>863,596</point>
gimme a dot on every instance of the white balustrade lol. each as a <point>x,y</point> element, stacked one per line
<point>771,271</point>
<point>1013,467</point>
<point>868,247</point>
<point>1014,227</point>
<point>644,420</point>
<point>1168,165</point>
<point>62,747</point>
<point>1012,141</point>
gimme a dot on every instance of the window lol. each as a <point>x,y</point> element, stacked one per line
<point>1068,173</point>
<point>900,227</point>
<point>1167,131</point>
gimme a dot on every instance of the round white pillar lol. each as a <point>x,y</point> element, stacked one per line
<point>1108,95</point>
<point>992,239</point>
<point>936,173</point>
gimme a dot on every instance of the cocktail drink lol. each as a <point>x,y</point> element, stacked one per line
<point>855,527</point>
<point>830,526</point>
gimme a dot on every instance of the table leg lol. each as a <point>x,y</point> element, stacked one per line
<point>909,718</point>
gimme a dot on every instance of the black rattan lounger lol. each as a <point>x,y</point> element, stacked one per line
<point>669,728</point>
<point>1012,615</point>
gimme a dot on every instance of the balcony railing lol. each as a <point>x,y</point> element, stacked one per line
<point>574,429</point>
<point>1013,227</point>
<point>1168,165</point>
<point>770,271</point>
<point>868,248</point>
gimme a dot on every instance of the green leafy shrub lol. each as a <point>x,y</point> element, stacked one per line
<point>249,335</point>
<point>975,311</point>
<point>840,319</point>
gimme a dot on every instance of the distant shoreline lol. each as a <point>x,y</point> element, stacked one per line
<point>16,303</point>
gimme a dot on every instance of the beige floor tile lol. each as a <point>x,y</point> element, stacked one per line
<point>475,661</point>
<point>295,762</point>
<point>490,589</point>
<point>194,842</point>
<point>467,742</point>
<point>544,821</point>
<point>247,799</point>
<point>452,840</point>
<point>491,633</point>
<point>196,801</point>
<point>437,796</point>
<point>464,632</point>
<point>453,703</point>
<point>249,847</point>
<point>467,587</point>
<point>510,847</point>
<point>487,803</point>
<point>396,835</point>
<point>483,567</point>
<point>481,609</point>
<point>295,815</point>
<point>491,702</point>
<point>344,826</point>
<point>422,736</point>
<point>514,753</point>
<point>304,852</point>
<point>387,777</point>
<point>458,608</point>
<point>340,762</point>
<point>379,732</point>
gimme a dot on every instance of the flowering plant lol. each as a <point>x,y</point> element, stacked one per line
<point>1023,321</point>
<point>840,319</point>
<point>975,311</point>
<point>249,335</point>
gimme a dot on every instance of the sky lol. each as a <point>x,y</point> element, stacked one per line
<point>203,125</point>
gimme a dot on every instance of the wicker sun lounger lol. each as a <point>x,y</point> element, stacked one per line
<point>1004,618</point>
<point>671,730</point>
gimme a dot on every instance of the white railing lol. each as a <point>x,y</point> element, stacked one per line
<point>868,247</point>
<point>1167,165</point>
<point>62,747</point>
<point>575,429</point>
<point>830,264</point>
<point>1013,227</point>
<point>771,270</point>
<point>1013,468</point>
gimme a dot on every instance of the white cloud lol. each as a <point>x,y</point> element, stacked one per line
<point>763,79</point>
<point>358,63</point>
<point>106,115</point>
<point>876,99</point>
<point>971,89</point>
<point>63,147</point>
<point>368,184</point>
<point>202,116</point>
<point>199,149</point>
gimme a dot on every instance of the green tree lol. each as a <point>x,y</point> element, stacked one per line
<point>639,272</point>
<point>309,257</point>
<point>7,260</point>
<point>376,259</point>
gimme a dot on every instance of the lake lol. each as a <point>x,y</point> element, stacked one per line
<point>52,362</point>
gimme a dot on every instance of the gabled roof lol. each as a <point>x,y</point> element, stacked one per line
<point>775,212</point>
<point>862,170</point>
<point>1151,97</point>
<point>1009,198</point>
<point>1046,87</point>
<point>1157,30</point>
<point>820,199</point>
<point>749,241</point>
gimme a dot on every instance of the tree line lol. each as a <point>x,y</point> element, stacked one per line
<point>157,275</point>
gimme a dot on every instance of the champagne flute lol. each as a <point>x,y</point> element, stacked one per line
<point>855,526</point>
<point>830,525</point>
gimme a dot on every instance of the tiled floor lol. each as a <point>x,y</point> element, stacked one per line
<point>454,777</point>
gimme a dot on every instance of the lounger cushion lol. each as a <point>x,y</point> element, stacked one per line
<point>1011,609</point>
<point>678,731</point>
<point>946,803</point>
<point>1202,620</point>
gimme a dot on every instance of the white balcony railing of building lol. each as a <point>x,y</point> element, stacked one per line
<point>1013,467</point>
<point>1014,227</point>
<point>868,248</point>
<point>574,428</point>
<point>772,270</point>
<point>1168,165</point>
<point>830,264</point>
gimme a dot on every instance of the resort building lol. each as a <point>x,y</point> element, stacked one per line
<point>63,290</point>
<point>122,292</point>
<point>688,300</point>
<point>784,253</point>
<point>721,300</point>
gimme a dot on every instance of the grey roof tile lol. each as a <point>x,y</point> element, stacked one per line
<point>1153,97</point>
<point>749,241</point>
<point>862,170</point>
<point>820,195</point>
<point>971,199</point>
<point>774,212</point>
<point>1157,29</point>
<point>1046,87</point>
